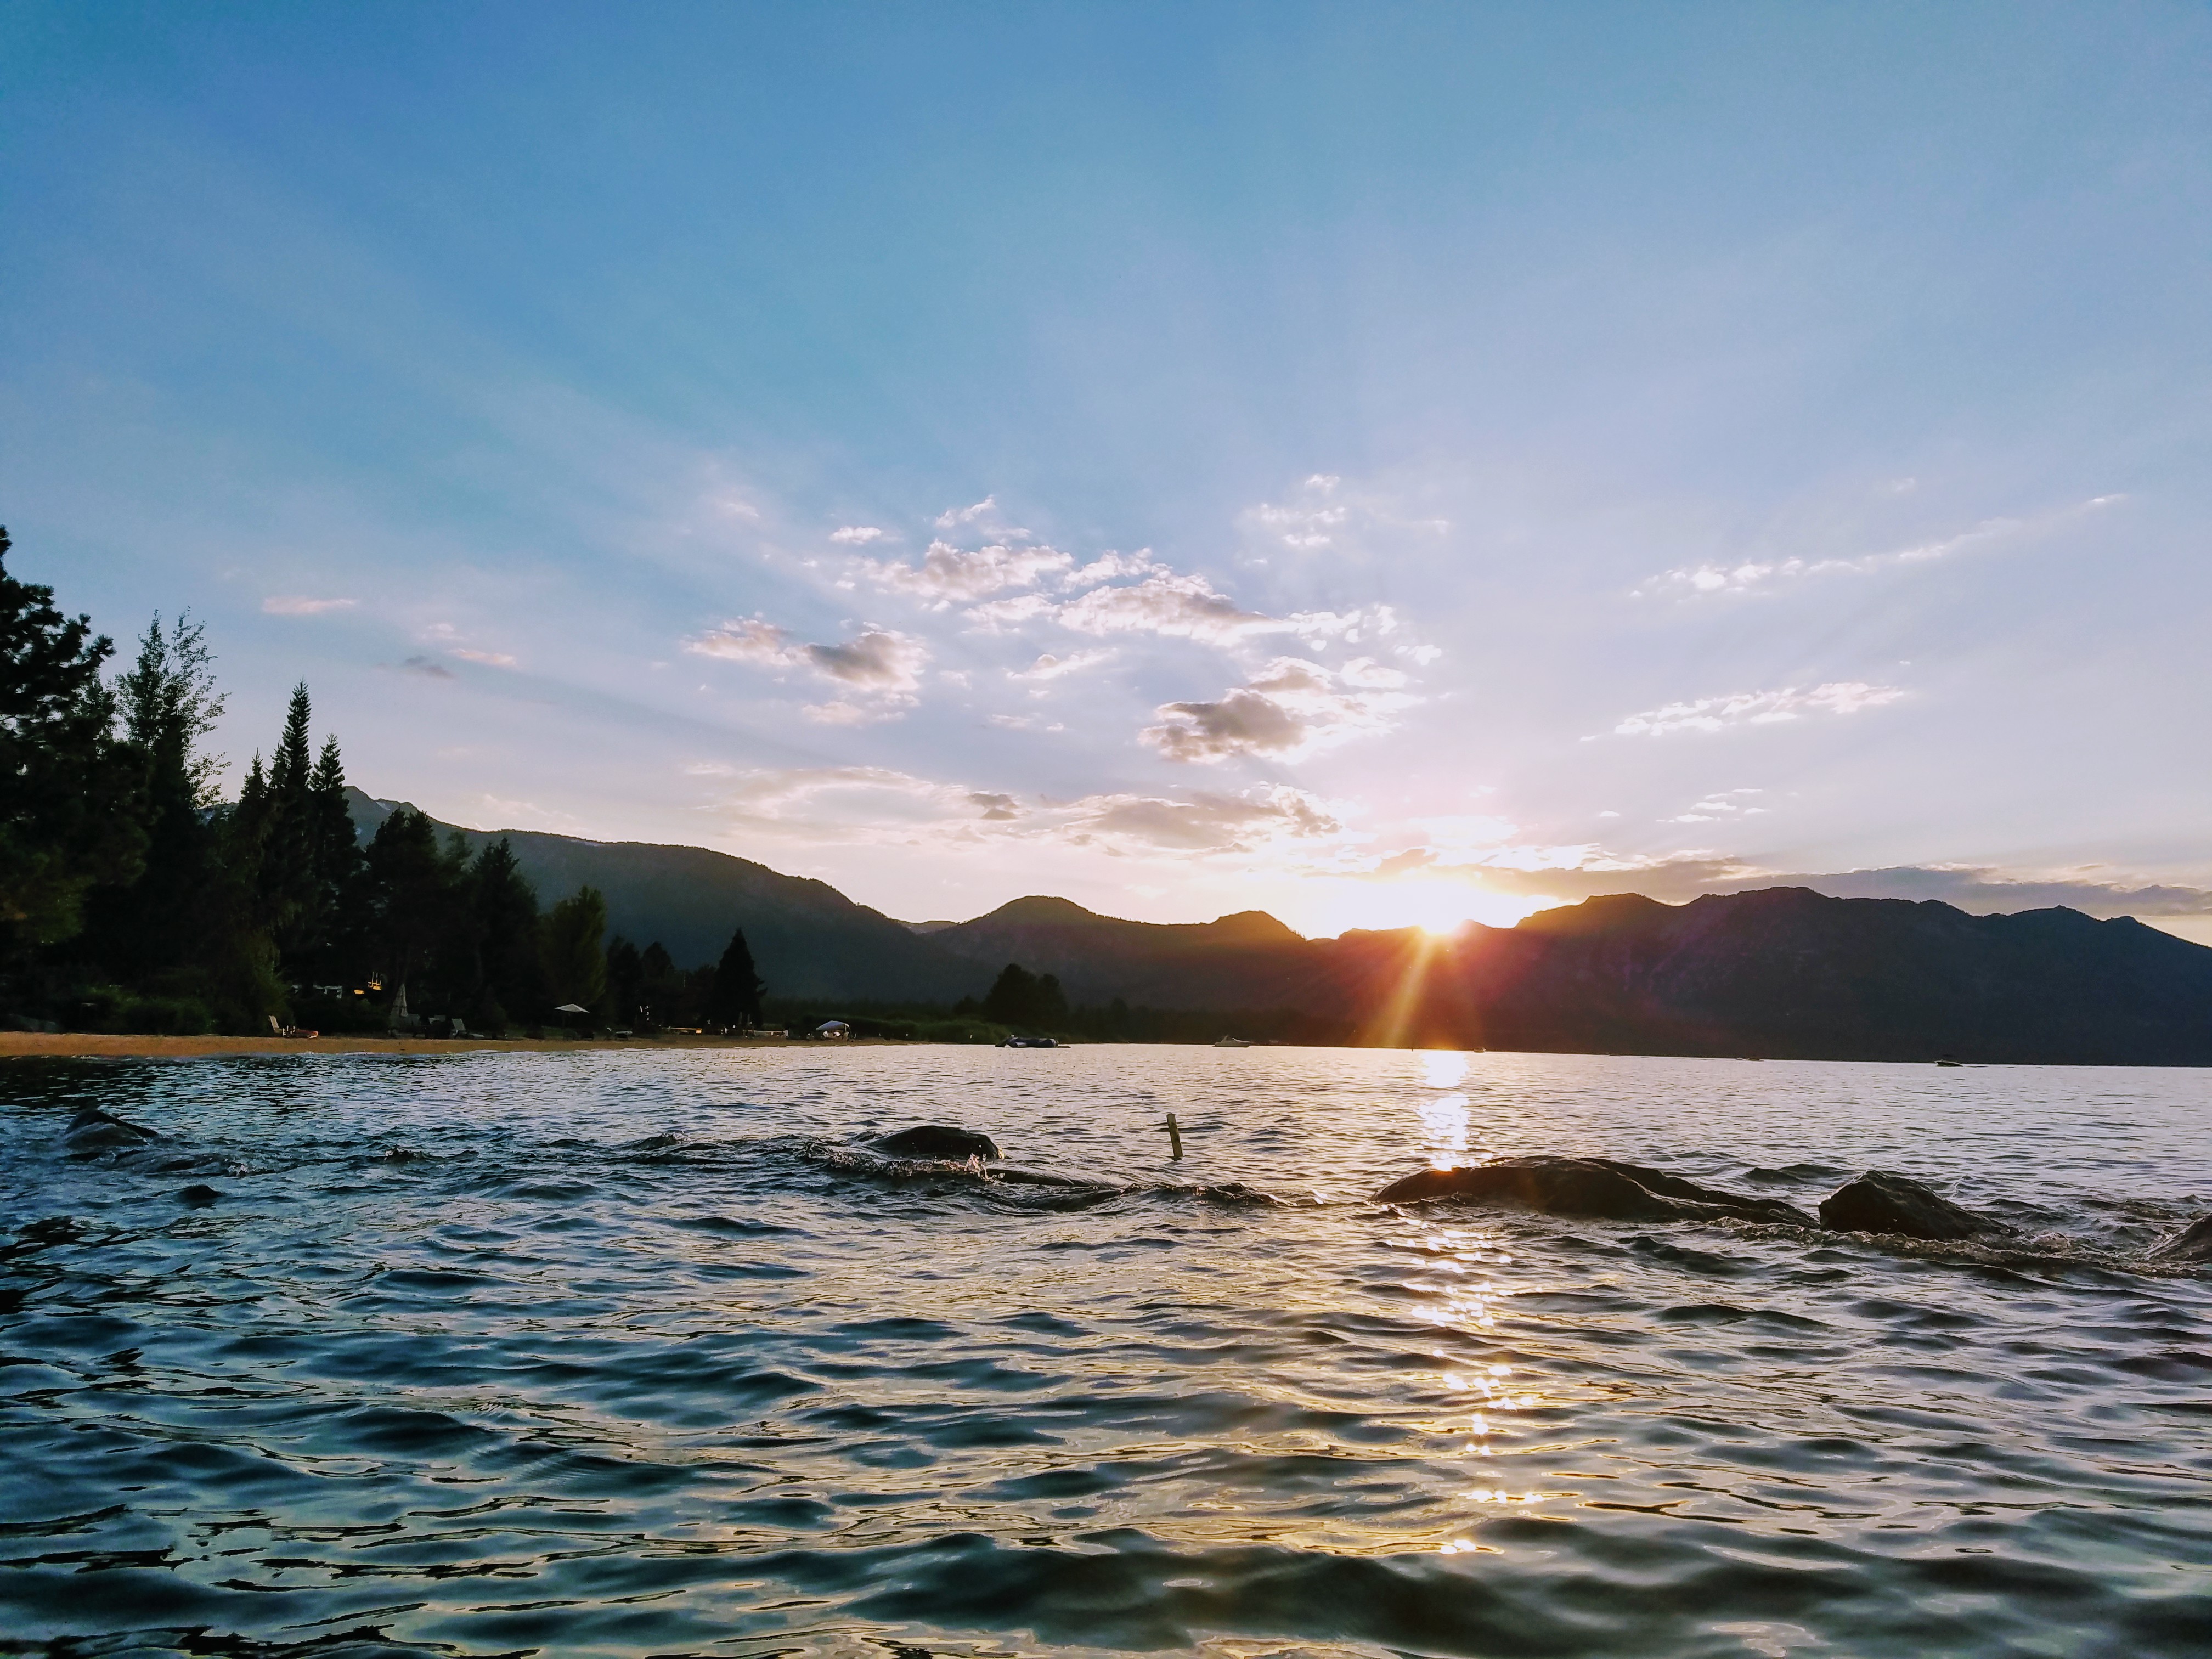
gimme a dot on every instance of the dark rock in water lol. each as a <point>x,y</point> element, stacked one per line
<point>1879,1203</point>
<point>95,1131</point>
<point>1018,1177</point>
<point>2192,1243</point>
<point>1590,1187</point>
<point>199,1194</point>
<point>936,1141</point>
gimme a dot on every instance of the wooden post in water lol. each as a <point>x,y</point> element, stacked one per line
<point>1175,1137</point>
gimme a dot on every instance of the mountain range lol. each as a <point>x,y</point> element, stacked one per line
<point>1780,973</point>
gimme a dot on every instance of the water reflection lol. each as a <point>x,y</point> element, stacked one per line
<point>1446,1119</point>
<point>1443,1070</point>
<point>615,1361</point>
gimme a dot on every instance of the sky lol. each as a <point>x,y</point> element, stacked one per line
<point>1380,464</point>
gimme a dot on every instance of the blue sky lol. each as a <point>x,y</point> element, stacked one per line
<point>1378,463</point>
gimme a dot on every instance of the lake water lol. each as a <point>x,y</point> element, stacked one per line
<point>623,1353</point>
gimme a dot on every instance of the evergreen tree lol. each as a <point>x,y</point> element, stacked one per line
<point>410,890</point>
<point>157,931</point>
<point>287,880</point>
<point>660,986</point>
<point>1022,1000</point>
<point>69,810</point>
<point>735,999</point>
<point>575,963</point>
<point>168,702</point>
<point>511,974</point>
<point>624,973</point>
<point>334,847</point>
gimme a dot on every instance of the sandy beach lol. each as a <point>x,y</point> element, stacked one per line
<point>84,1045</point>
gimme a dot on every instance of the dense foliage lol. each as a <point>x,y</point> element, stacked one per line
<point>133,897</point>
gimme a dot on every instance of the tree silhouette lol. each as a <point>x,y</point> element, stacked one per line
<point>68,811</point>
<point>1026,1001</point>
<point>575,961</point>
<point>736,1000</point>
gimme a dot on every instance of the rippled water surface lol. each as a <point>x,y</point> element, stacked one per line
<point>628,1353</point>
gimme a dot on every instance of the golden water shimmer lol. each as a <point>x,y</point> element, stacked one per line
<point>638,1354</point>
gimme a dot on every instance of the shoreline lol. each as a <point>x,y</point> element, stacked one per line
<point>90,1045</point>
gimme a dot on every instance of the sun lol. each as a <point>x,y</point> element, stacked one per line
<point>1438,905</point>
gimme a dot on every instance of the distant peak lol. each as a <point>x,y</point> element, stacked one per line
<point>1042,907</point>
<point>1256,926</point>
<point>1604,912</point>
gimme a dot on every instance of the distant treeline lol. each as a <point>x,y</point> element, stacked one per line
<point>133,898</point>
<point>1023,1003</point>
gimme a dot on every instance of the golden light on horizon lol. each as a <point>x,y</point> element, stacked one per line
<point>1324,905</point>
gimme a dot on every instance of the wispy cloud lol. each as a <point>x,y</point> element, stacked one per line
<point>1170,606</point>
<point>880,667</point>
<point>1167,604</point>
<point>1321,515</point>
<point>984,510</point>
<point>1757,708</point>
<point>298,604</point>
<point>1312,520</point>
<point>1202,823</point>
<point>881,805</point>
<point>1004,581</point>
<point>1723,804</point>
<point>1292,706</point>
<point>950,575</point>
<point>490,659</point>
<point>1049,667</point>
<point>1759,575</point>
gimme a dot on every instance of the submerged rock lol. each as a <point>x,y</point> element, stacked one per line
<point>935,1140</point>
<point>2192,1243</point>
<point>199,1194</point>
<point>1590,1187</point>
<point>94,1131</point>
<point>1879,1203</point>
<point>1017,1175</point>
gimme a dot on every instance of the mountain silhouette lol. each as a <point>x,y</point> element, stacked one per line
<point>808,939</point>
<point>1779,973</point>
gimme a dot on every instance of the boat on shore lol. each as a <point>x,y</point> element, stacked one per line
<point>1231,1042</point>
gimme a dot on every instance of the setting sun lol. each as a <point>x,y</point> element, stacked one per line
<point>1437,904</point>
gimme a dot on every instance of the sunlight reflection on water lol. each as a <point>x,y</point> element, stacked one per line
<point>627,1354</point>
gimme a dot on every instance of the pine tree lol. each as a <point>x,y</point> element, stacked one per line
<point>156,932</point>
<point>290,893</point>
<point>1023,1000</point>
<point>575,963</point>
<point>334,846</point>
<point>660,986</point>
<point>735,998</point>
<point>511,977</point>
<point>411,889</point>
<point>70,813</point>
<point>625,971</point>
